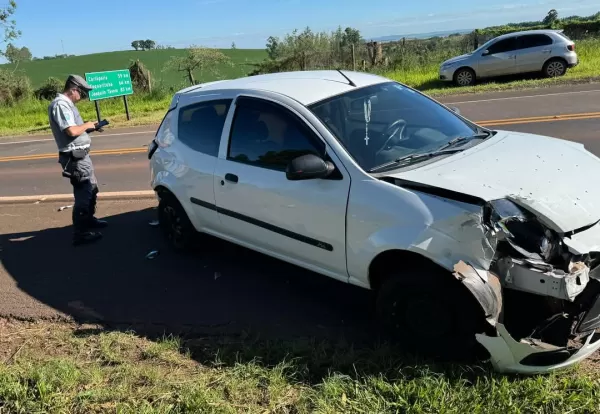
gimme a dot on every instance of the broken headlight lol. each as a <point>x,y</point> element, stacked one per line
<point>522,231</point>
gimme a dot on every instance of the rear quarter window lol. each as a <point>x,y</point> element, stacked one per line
<point>200,125</point>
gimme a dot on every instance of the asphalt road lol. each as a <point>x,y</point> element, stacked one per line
<point>28,165</point>
<point>218,288</point>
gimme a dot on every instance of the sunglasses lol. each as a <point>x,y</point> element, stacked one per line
<point>82,93</point>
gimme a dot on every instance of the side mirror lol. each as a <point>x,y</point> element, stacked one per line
<point>455,109</point>
<point>485,53</point>
<point>308,167</point>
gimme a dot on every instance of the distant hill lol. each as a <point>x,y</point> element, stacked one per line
<point>394,38</point>
<point>39,70</point>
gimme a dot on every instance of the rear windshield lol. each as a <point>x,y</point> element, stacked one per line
<point>565,36</point>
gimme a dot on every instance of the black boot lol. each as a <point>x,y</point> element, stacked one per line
<point>82,234</point>
<point>93,222</point>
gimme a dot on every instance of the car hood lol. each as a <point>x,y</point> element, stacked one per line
<point>557,180</point>
<point>456,59</point>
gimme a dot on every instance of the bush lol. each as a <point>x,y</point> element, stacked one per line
<point>49,89</point>
<point>13,87</point>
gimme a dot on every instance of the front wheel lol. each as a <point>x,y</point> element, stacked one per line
<point>438,318</point>
<point>464,77</point>
<point>555,68</point>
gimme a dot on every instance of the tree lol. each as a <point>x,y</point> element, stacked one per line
<point>273,46</point>
<point>204,59</point>
<point>136,44</point>
<point>12,53</point>
<point>233,47</point>
<point>351,36</point>
<point>25,54</point>
<point>9,25</point>
<point>551,18</point>
<point>149,44</point>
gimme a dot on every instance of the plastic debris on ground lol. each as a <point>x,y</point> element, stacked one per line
<point>153,254</point>
<point>65,207</point>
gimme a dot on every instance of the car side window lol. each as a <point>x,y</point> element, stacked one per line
<point>267,135</point>
<point>502,46</point>
<point>536,40</point>
<point>200,125</point>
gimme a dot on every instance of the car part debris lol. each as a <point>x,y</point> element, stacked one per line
<point>153,223</point>
<point>65,207</point>
<point>152,255</point>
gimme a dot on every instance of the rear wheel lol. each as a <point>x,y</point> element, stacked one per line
<point>175,223</point>
<point>464,77</point>
<point>555,68</point>
<point>431,316</point>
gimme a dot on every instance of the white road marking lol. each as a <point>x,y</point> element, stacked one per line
<point>508,98</point>
<point>103,135</point>
<point>65,197</point>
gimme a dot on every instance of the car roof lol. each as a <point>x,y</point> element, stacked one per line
<point>306,87</point>
<point>529,32</point>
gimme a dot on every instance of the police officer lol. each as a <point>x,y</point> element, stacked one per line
<point>73,142</point>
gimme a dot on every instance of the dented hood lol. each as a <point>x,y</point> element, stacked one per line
<point>557,180</point>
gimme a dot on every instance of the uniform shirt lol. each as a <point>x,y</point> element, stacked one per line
<point>63,114</point>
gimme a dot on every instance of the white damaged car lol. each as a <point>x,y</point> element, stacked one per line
<point>472,239</point>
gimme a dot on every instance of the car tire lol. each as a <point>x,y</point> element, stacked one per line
<point>555,68</point>
<point>175,224</point>
<point>433,317</point>
<point>464,77</point>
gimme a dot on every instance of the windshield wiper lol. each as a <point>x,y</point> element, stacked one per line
<point>409,159</point>
<point>458,140</point>
<point>443,150</point>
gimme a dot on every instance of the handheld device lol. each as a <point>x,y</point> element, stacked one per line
<point>99,126</point>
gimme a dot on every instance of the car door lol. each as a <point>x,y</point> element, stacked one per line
<point>500,58</point>
<point>303,222</point>
<point>199,130</point>
<point>532,52</point>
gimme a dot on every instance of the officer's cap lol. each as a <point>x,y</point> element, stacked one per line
<point>79,82</point>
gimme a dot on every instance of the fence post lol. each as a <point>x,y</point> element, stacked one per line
<point>353,58</point>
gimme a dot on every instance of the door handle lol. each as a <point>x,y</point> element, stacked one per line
<point>231,177</point>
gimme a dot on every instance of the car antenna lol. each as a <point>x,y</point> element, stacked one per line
<point>347,78</point>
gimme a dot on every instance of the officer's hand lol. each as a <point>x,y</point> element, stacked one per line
<point>89,125</point>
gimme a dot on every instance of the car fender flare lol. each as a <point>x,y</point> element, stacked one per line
<point>163,187</point>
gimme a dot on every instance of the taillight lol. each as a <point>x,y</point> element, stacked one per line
<point>571,48</point>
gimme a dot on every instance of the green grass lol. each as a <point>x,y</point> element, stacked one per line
<point>30,116</point>
<point>426,78</point>
<point>59,368</point>
<point>38,71</point>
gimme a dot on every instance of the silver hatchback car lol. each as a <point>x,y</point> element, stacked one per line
<point>550,52</point>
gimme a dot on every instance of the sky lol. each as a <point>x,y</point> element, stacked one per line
<point>81,27</point>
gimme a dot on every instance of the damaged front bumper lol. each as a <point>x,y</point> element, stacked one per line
<point>574,324</point>
<point>529,357</point>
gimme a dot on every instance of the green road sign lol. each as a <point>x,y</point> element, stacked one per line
<point>109,84</point>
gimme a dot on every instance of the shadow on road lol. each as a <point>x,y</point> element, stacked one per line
<point>219,287</point>
<point>221,300</point>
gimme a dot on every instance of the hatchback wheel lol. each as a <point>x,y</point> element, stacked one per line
<point>437,318</point>
<point>175,224</point>
<point>464,77</point>
<point>555,68</point>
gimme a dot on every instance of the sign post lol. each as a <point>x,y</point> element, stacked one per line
<point>110,84</point>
